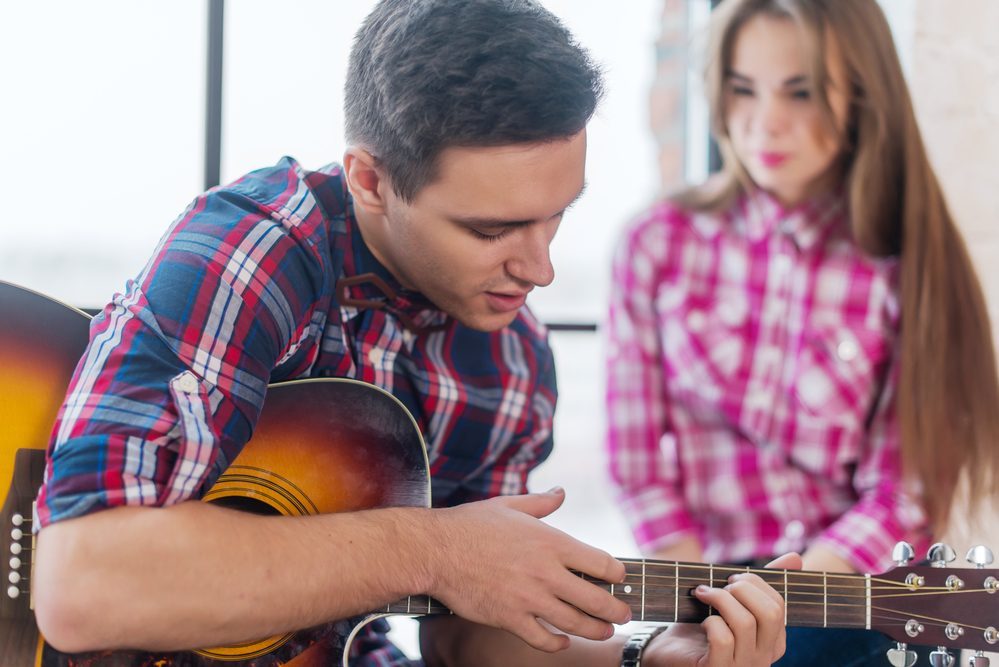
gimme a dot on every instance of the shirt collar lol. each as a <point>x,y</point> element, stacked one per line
<point>367,284</point>
<point>758,214</point>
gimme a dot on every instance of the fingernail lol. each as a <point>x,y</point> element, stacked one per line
<point>556,490</point>
<point>703,589</point>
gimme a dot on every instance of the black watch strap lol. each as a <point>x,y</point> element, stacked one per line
<point>631,654</point>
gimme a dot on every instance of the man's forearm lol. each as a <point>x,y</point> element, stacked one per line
<point>194,575</point>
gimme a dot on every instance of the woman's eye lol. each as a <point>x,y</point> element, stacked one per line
<point>742,91</point>
<point>803,94</point>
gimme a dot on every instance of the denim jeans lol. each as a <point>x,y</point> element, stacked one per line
<point>818,647</point>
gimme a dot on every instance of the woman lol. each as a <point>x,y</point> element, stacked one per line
<point>800,358</point>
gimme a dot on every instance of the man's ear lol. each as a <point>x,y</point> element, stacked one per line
<point>365,180</point>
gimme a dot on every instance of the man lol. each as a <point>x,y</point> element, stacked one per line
<point>407,267</point>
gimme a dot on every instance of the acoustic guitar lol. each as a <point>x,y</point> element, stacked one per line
<point>337,445</point>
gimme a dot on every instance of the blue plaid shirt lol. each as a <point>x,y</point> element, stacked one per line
<point>241,293</point>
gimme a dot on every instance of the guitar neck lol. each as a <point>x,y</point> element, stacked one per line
<point>662,592</point>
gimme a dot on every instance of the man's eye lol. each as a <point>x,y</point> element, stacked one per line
<point>494,236</point>
<point>742,91</point>
<point>803,94</point>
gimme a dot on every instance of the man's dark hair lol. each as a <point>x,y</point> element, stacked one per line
<point>425,75</point>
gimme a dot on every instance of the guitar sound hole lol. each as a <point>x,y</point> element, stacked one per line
<point>244,504</point>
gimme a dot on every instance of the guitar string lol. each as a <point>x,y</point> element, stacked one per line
<point>882,613</point>
<point>897,590</point>
<point>668,592</point>
<point>763,572</point>
<point>856,582</point>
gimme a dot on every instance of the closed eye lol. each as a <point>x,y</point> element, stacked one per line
<point>491,236</point>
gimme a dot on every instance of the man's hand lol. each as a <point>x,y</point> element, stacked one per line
<point>749,631</point>
<point>497,564</point>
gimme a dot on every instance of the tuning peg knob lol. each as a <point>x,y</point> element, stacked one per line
<point>979,660</point>
<point>940,554</point>
<point>980,556</point>
<point>941,658</point>
<point>899,656</point>
<point>903,553</point>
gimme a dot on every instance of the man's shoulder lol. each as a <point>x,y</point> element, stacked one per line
<point>287,186</point>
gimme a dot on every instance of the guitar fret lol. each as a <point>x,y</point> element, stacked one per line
<point>786,605</point>
<point>676,592</point>
<point>867,586</point>
<point>643,590</point>
<point>825,600</point>
<point>711,583</point>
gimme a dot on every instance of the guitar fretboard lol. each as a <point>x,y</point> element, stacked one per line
<point>662,592</point>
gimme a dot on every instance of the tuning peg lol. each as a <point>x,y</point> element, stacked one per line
<point>900,656</point>
<point>941,658</point>
<point>979,660</point>
<point>903,553</point>
<point>980,556</point>
<point>940,554</point>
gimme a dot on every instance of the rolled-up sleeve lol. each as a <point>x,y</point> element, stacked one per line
<point>649,485</point>
<point>176,371</point>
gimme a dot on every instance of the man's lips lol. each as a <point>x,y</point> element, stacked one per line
<point>506,301</point>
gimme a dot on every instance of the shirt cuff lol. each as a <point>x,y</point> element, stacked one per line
<point>658,519</point>
<point>866,535</point>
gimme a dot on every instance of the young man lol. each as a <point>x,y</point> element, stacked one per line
<point>406,267</point>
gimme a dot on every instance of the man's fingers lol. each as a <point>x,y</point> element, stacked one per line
<point>566,618</point>
<point>538,636</point>
<point>593,600</point>
<point>538,505</point>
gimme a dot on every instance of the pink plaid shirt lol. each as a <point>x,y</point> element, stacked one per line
<point>750,389</point>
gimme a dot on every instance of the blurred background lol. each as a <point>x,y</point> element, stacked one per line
<point>103,139</point>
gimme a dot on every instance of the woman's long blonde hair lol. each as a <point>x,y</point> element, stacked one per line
<point>948,394</point>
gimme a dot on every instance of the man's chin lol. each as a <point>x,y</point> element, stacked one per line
<point>486,322</point>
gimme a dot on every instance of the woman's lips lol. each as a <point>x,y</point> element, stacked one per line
<point>772,159</point>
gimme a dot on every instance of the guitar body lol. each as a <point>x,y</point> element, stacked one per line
<point>320,446</point>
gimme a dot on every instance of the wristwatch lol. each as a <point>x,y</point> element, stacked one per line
<point>631,655</point>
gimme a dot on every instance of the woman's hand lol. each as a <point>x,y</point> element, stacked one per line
<point>748,630</point>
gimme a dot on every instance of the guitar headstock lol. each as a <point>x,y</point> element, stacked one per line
<point>937,605</point>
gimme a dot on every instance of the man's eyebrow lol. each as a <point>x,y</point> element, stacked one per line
<point>505,223</point>
<point>791,82</point>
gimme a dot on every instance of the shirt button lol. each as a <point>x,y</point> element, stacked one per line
<point>794,530</point>
<point>847,350</point>
<point>696,320</point>
<point>187,383</point>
